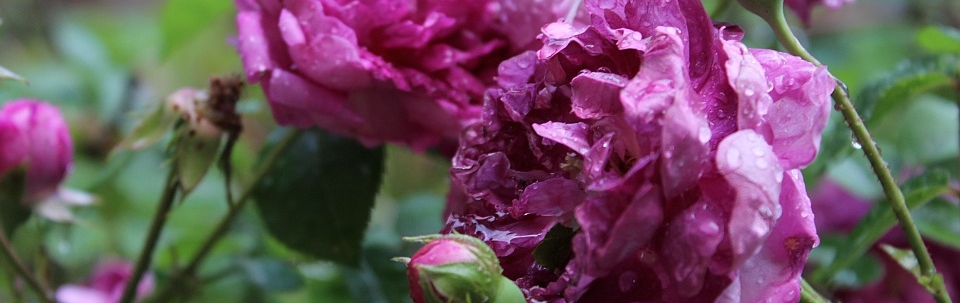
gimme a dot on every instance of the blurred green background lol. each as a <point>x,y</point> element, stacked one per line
<point>103,61</point>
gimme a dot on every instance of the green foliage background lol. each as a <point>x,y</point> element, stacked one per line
<point>103,61</point>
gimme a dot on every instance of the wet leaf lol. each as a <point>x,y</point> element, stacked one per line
<point>555,249</point>
<point>317,196</point>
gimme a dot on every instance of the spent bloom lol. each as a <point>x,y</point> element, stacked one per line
<point>408,72</point>
<point>105,285</point>
<point>34,135</point>
<point>668,149</point>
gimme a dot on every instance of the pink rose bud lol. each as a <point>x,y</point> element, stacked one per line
<point>458,268</point>
<point>105,285</point>
<point>35,135</point>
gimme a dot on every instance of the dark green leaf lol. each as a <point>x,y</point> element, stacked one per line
<point>940,40</point>
<point>917,191</point>
<point>272,274</point>
<point>939,221</point>
<point>316,198</point>
<point>555,249</point>
<point>181,20</point>
<point>892,92</point>
<point>12,211</point>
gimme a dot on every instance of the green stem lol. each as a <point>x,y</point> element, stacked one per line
<point>153,236</point>
<point>810,295</point>
<point>21,269</point>
<point>842,98</point>
<point>221,229</point>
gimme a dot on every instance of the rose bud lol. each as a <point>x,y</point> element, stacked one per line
<point>458,268</point>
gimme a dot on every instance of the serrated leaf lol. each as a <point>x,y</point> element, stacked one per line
<point>317,196</point>
<point>272,275</point>
<point>939,221</point>
<point>12,211</point>
<point>917,191</point>
<point>912,77</point>
<point>149,130</point>
<point>555,249</point>
<point>181,20</point>
<point>939,39</point>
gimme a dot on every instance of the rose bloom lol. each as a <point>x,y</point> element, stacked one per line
<point>671,150</point>
<point>407,72</point>
<point>34,135</point>
<point>838,211</point>
<point>105,285</point>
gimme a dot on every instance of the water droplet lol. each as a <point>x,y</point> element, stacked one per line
<point>749,92</point>
<point>733,158</point>
<point>855,143</point>
<point>523,63</point>
<point>762,163</point>
<point>63,247</point>
<point>704,134</point>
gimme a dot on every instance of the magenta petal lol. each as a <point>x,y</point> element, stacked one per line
<point>775,271</point>
<point>573,136</point>
<point>49,154</point>
<point>555,197</point>
<point>297,102</point>
<point>747,79</point>
<point>689,245</point>
<point>748,163</point>
<point>15,146</point>
<point>801,106</point>
<point>596,94</point>
<point>685,137</point>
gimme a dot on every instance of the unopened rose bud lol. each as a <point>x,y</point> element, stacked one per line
<point>458,268</point>
<point>34,135</point>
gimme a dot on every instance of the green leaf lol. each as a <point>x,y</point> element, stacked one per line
<point>555,249</point>
<point>917,191</point>
<point>272,275</point>
<point>863,271</point>
<point>912,77</point>
<point>316,198</point>
<point>12,211</point>
<point>194,155</point>
<point>939,39</point>
<point>149,130</point>
<point>939,221</point>
<point>181,20</point>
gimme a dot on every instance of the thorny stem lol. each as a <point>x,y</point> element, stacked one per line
<point>842,98</point>
<point>21,269</point>
<point>153,236</point>
<point>224,224</point>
